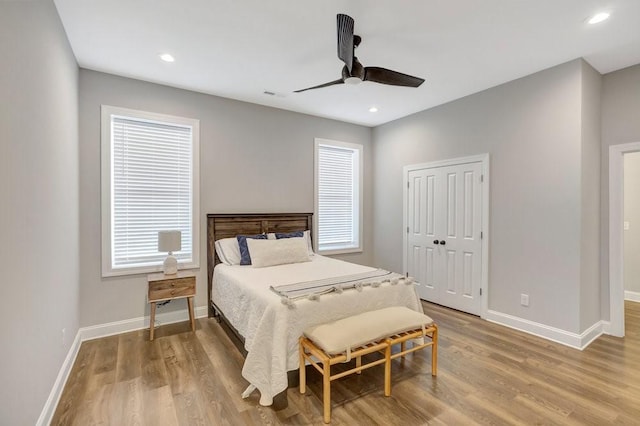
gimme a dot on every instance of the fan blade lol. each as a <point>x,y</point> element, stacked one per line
<point>395,78</point>
<point>331,83</point>
<point>345,39</point>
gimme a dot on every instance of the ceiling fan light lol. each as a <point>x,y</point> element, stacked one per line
<point>352,80</point>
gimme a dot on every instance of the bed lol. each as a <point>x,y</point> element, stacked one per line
<point>260,304</point>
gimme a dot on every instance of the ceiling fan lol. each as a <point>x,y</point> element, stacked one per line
<point>353,72</point>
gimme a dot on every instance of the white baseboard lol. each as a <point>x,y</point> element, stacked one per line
<point>567,338</point>
<point>54,396</point>
<point>104,330</point>
<point>633,296</point>
<point>591,334</point>
<point>124,326</point>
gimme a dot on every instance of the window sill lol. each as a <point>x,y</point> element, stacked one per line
<point>145,270</point>
<point>340,251</point>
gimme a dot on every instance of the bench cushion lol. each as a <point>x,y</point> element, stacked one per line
<point>338,336</point>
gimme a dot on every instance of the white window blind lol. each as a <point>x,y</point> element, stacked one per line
<point>338,196</point>
<point>152,188</point>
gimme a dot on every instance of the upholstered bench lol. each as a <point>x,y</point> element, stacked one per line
<point>352,337</point>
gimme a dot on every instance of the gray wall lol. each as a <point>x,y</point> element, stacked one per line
<point>632,215</point>
<point>620,124</point>
<point>590,198</point>
<point>532,130</point>
<point>252,159</point>
<point>39,213</point>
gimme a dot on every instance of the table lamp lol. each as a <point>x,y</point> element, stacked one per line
<point>170,241</point>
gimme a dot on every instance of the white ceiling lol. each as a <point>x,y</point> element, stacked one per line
<point>240,48</point>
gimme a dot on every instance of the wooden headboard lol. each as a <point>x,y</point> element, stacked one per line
<point>229,225</point>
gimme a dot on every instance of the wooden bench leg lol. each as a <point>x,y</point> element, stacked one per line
<point>359,364</point>
<point>326,390</point>
<point>303,377</point>
<point>434,351</point>
<point>403,347</point>
<point>387,370</point>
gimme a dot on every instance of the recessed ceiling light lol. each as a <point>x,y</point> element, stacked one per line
<point>598,17</point>
<point>373,109</point>
<point>167,58</point>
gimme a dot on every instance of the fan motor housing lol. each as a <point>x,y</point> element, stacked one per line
<point>357,71</point>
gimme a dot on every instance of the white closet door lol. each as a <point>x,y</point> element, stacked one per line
<point>422,250</point>
<point>444,248</point>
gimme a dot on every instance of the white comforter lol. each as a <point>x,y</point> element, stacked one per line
<point>271,329</point>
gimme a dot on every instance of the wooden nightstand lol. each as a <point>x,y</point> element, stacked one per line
<point>168,287</point>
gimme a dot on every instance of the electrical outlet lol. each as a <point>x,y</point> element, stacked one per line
<point>524,299</point>
<point>63,337</point>
<point>626,225</point>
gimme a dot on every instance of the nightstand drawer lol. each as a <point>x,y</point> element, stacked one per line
<point>171,288</point>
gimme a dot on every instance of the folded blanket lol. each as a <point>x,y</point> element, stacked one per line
<point>313,289</point>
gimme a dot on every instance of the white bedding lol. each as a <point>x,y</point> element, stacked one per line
<point>271,329</point>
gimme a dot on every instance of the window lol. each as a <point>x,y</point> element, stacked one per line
<point>338,186</point>
<point>149,184</point>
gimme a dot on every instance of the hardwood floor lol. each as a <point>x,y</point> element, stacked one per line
<point>487,374</point>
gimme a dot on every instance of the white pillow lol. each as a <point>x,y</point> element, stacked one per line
<point>278,252</point>
<point>228,251</point>
<point>307,236</point>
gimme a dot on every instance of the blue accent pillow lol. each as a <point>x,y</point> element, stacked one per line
<point>289,234</point>
<point>245,257</point>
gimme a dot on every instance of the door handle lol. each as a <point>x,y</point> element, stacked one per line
<point>442,242</point>
<point>436,242</point>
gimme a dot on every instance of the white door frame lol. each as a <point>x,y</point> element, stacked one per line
<point>481,158</point>
<point>616,235</point>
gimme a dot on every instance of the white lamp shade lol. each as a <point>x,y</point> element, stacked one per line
<point>169,241</point>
